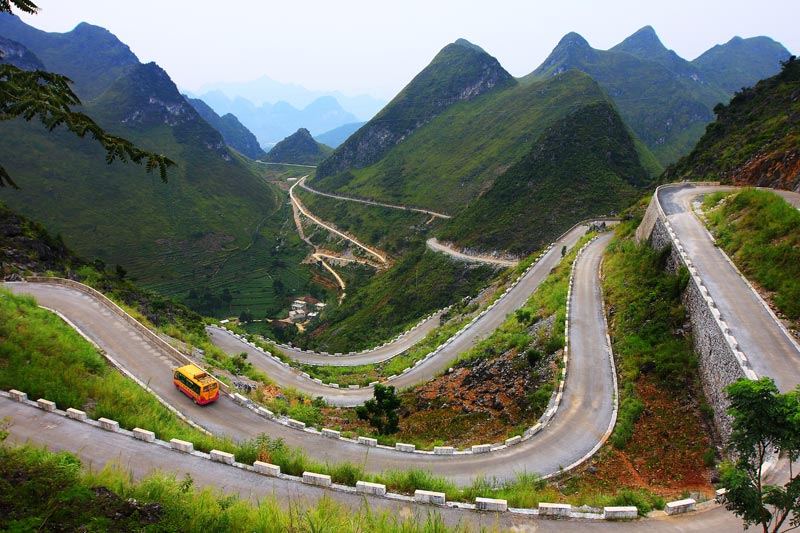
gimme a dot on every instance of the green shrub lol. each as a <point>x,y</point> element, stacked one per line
<point>643,501</point>
<point>629,412</point>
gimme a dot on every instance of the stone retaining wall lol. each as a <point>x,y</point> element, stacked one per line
<point>720,362</point>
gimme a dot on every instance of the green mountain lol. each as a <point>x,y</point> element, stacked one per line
<point>213,235</point>
<point>645,44</point>
<point>14,53</point>
<point>741,62</point>
<point>235,134</point>
<point>460,72</point>
<point>455,158</point>
<point>666,100</point>
<point>90,56</point>
<point>299,148</point>
<point>581,166</point>
<point>755,139</point>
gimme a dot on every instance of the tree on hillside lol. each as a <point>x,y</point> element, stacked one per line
<point>764,422</point>
<point>381,411</point>
<point>29,94</point>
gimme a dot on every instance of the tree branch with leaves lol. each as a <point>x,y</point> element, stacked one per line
<point>48,96</point>
<point>765,422</point>
<point>381,410</point>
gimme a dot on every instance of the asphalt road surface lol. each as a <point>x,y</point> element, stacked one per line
<point>770,350</point>
<point>421,373</point>
<point>573,433</point>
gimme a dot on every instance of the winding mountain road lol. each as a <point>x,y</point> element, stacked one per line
<point>425,371</point>
<point>585,415</point>
<point>299,205</point>
<point>371,202</point>
<point>97,448</point>
<point>770,350</point>
<point>436,246</point>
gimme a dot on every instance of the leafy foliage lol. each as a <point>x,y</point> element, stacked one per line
<point>45,95</point>
<point>26,6</point>
<point>91,56</point>
<point>29,94</point>
<point>763,420</point>
<point>381,411</point>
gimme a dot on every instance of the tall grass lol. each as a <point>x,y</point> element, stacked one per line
<point>58,494</point>
<point>758,230</point>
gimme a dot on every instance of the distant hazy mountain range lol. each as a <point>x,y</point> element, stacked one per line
<point>273,110</point>
<point>235,134</point>
<point>271,123</point>
<point>266,90</point>
<point>337,136</point>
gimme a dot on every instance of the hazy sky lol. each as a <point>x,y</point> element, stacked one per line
<point>376,47</point>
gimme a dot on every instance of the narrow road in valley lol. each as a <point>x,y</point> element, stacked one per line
<point>296,202</point>
<point>587,401</point>
<point>423,372</point>
<point>770,350</point>
<point>371,202</point>
<point>286,164</point>
<point>436,246</point>
<point>229,343</point>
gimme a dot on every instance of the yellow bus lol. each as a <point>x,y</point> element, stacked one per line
<point>196,384</point>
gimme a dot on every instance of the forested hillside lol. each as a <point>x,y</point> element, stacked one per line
<point>755,139</point>
<point>214,234</point>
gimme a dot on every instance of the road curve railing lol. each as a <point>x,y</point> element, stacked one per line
<point>552,465</point>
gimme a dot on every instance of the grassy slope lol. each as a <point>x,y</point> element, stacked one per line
<point>667,112</point>
<point>449,161</point>
<point>584,165</point>
<point>659,429</point>
<point>755,138</point>
<point>58,496</point>
<point>758,230</point>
